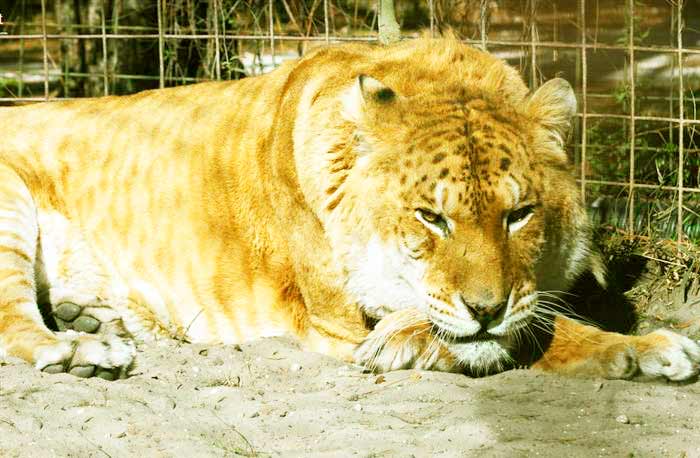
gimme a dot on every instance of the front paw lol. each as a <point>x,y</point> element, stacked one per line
<point>403,340</point>
<point>86,355</point>
<point>578,349</point>
<point>376,354</point>
<point>659,354</point>
<point>664,353</point>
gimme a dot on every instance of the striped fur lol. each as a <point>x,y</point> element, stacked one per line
<point>283,204</point>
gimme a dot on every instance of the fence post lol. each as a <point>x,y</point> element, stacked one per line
<point>45,49</point>
<point>681,122</point>
<point>103,27</point>
<point>389,31</point>
<point>161,45</point>
<point>584,98</point>
<point>632,114</point>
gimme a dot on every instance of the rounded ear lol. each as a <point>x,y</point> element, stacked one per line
<point>374,90</point>
<point>553,105</point>
<point>365,91</point>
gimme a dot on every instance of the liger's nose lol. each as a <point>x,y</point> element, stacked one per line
<point>485,314</point>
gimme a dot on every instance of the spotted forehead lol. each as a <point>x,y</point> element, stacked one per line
<point>468,151</point>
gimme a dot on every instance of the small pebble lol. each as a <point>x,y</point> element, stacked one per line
<point>622,419</point>
<point>233,381</point>
<point>254,414</point>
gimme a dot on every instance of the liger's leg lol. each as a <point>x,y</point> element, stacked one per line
<point>578,349</point>
<point>405,339</point>
<point>79,290</point>
<point>22,330</point>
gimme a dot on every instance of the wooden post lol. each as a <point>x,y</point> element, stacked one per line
<point>389,31</point>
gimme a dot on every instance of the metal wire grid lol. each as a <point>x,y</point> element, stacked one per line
<point>679,120</point>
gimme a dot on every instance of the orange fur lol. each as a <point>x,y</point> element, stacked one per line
<point>227,211</point>
<point>577,349</point>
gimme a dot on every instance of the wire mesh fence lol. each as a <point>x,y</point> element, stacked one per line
<point>635,66</point>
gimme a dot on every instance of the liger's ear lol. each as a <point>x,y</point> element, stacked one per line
<point>365,91</point>
<point>554,105</point>
<point>373,90</point>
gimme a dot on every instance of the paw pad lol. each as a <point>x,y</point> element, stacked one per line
<point>82,371</point>
<point>67,311</point>
<point>90,319</point>
<point>86,324</point>
<point>85,356</point>
<point>72,316</point>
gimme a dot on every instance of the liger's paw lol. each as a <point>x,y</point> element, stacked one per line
<point>401,351</point>
<point>85,355</point>
<point>93,319</point>
<point>664,353</point>
<point>659,354</point>
<point>403,340</point>
<point>578,349</point>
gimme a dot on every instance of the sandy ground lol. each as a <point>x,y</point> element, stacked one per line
<point>268,398</point>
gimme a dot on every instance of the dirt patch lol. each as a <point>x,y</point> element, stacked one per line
<point>268,398</point>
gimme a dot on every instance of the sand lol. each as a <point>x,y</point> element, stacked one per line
<point>269,398</point>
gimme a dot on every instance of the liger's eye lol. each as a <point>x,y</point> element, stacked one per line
<point>519,217</point>
<point>435,222</point>
<point>432,218</point>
